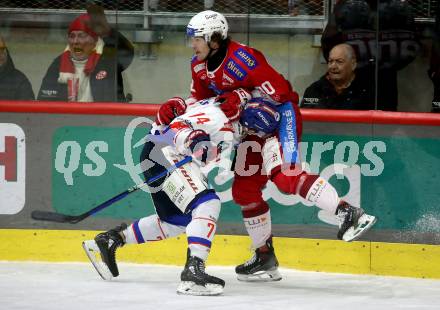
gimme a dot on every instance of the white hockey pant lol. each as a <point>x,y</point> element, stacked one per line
<point>200,231</point>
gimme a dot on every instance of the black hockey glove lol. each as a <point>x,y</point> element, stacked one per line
<point>199,143</point>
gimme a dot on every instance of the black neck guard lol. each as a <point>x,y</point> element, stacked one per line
<point>215,60</point>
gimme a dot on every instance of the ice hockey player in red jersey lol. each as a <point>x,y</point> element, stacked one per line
<point>235,73</point>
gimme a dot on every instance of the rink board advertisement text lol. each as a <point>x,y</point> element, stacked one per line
<point>12,168</point>
<point>90,165</point>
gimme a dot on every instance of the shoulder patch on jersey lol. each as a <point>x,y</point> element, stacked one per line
<point>235,69</point>
<point>246,58</point>
<point>199,67</point>
<point>227,80</point>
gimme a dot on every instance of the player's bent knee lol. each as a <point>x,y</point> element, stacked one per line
<point>208,206</point>
<point>245,197</point>
<point>293,182</point>
<point>150,228</point>
<point>284,183</point>
<point>201,230</point>
<point>255,209</point>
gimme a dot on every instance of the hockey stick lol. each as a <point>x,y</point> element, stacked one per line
<point>73,219</point>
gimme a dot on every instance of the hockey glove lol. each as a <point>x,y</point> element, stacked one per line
<point>232,102</point>
<point>169,110</point>
<point>199,143</point>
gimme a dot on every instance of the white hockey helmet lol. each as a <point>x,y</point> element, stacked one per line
<point>205,23</point>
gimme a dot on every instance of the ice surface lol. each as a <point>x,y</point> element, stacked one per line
<point>77,286</point>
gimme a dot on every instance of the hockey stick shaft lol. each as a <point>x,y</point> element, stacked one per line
<point>73,219</point>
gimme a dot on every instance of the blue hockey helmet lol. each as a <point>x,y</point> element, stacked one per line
<point>260,115</point>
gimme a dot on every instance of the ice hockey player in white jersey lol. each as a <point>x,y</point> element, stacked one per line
<point>183,201</point>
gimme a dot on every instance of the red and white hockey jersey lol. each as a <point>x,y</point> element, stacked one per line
<point>207,116</point>
<point>243,67</point>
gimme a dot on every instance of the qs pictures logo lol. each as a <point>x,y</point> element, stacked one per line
<point>12,168</point>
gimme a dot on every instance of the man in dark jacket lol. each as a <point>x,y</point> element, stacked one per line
<point>434,68</point>
<point>14,85</point>
<point>340,87</point>
<point>90,68</point>
<point>395,38</point>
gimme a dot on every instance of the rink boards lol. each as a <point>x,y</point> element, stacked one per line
<point>70,163</point>
<point>359,257</point>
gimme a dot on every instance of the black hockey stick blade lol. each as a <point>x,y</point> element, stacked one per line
<point>55,217</point>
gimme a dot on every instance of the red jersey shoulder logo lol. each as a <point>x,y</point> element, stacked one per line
<point>227,80</point>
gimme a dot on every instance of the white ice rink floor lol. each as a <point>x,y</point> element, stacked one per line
<point>76,286</point>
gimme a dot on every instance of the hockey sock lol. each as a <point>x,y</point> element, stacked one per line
<point>321,193</point>
<point>201,230</point>
<point>150,228</point>
<point>311,187</point>
<point>258,223</point>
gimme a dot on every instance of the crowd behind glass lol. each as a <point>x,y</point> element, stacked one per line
<point>365,44</point>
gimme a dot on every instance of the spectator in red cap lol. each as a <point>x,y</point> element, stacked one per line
<point>87,70</point>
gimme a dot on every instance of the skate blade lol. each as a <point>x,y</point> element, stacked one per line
<point>190,288</point>
<point>94,255</point>
<point>261,276</point>
<point>364,224</point>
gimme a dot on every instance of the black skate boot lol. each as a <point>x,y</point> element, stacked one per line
<point>354,222</point>
<point>262,267</point>
<point>105,244</point>
<point>195,281</point>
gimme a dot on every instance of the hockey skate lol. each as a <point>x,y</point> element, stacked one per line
<point>354,222</point>
<point>194,280</point>
<point>101,251</point>
<point>262,267</point>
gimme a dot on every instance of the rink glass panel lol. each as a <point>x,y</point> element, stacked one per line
<point>36,33</point>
